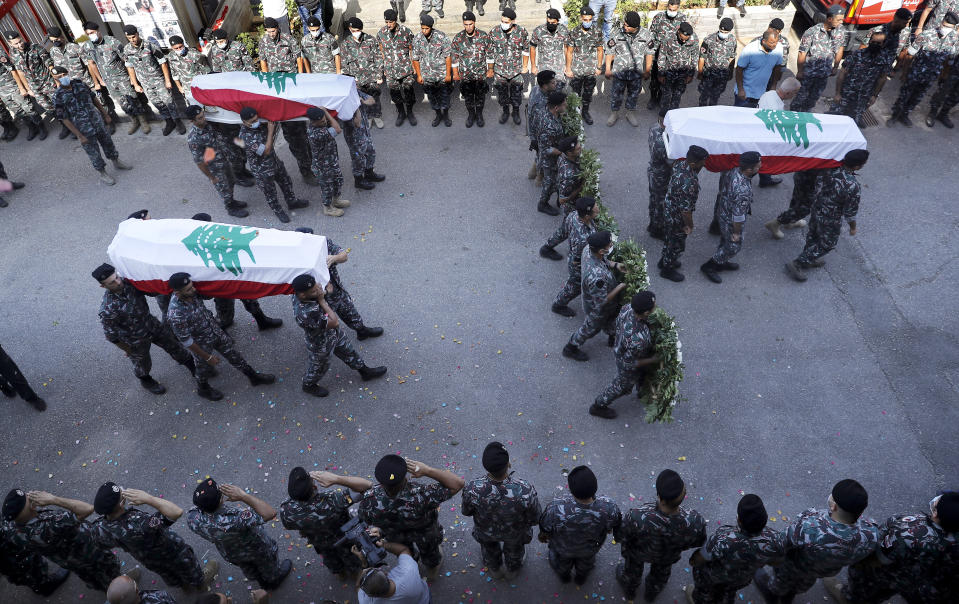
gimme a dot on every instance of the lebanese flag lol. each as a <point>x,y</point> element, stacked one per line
<point>788,141</point>
<point>275,96</point>
<point>224,260</point>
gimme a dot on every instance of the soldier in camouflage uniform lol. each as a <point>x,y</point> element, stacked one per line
<point>676,63</point>
<point>933,13</point>
<point>129,325</point>
<point>584,59</point>
<point>185,64</point>
<point>656,534</point>
<point>682,192</point>
<point>932,49</point>
<point>576,228</point>
<point>504,510</point>
<point>406,511</point>
<point>716,55</point>
<point>803,197</point>
<point>15,105</point>
<point>549,131</point>
<point>469,50</point>
<point>197,329</point>
<point>362,58</point>
<point>70,55</point>
<point>509,58</point>
<point>321,132</point>
<point>820,51</point>
<point>23,567</point>
<point>359,140</point>
<point>60,535</point>
<point>916,557</point>
<point>662,27</point>
<point>324,337</point>
<point>320,49</point>
<point>657,173</point>
<point>104,56</point>
<point>436,5</point>
<point>149,73</point>
<point>837,197</point>
<point>575,526</point>
<point>32,63</point>
<point>432,63</point>
<point>238,533</point>
<point>569,181</point>
<point>268,169</point>
<point>227,55</point>
<point>946,97</point>
<point>860,79</point>
<point>148,536</point>
<point>629,57</point>
<point>633,350</point>
<point>736,200</point>
<point>600,291</point>
<point>124,589</point>
<point>546,83</point>
<point>396,44</point>
<point>203,136</point>
<point>820,543</point>
<point>548,46</point>
<point>732,554</point>
<point>318,516</point>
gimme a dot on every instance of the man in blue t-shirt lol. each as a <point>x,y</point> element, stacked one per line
<point>759,66</point>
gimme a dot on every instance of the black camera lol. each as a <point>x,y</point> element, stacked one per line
<point>355,531</point>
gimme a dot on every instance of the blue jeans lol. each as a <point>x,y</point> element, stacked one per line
<point>608,7</point>
<point>305,14</point>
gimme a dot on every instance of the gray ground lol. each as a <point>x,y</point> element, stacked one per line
<point>790,387</point>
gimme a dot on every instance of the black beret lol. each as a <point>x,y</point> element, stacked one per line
<point>903,14</point>
<point>11,34</point>
<point>108,496</point>
<point>469,16</point>
<point>752,513</point>
<point>103,271</point>
<point>139,214</point>
<point>632,19</point>
<point>726,24</point>
<point>566,144</point>
<point>850,496</point>
<point>586,10</point>
<point>748,159</point>
<point>856,157</point>
<point>315,113</point>
<point>220,34</point>
<point>835,9</point>
<point>426,20</point>
<point>669,486</point>
<point>389,15</point>
<point>545,76</point>
<point>643,301</point>
<point>178,280</point>
<point>59,70</point>
<point>552,14</point>
<point>91,25</point>
<point>313,22</point>
<point>777,24</point>
<point>302,283</point>
<point>584,205</point>
<point>307,230</point>
<point>495,457</point>
<point>686,28</point>
<point>555,98</point>
<point>599,239</point>
<point>270,23</point>
<point>696,153</point>
<point>54,32</point>
<point>192,111</point>
<point>175,40</point>
<point>202,216</point>
<point>13,504</point>
<point>206,495</point>
<point>582,482</point>
<point>247,112</point>
<point>300,485</point>
<point>355,22</point>
<point>510,14</point>
<point>948,511</point>
<point>130,30</point>
<point>390,470</point>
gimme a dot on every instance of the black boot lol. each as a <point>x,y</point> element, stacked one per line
<point>711,270</point>
<point>563,309</point>
<point>400,115</point>
<point>470,118</point>
<point>437,118</point>
<point>545,208</point>
<point>409,115</point>
<point>297,204</point>
<point>152,385</point>
<point>7,128</point>
<point>170,127</point>
<point>573,352</point>
<point>516,118</point>
<point>479,115</point>
<point>549,253</point>
<point>205,390</point>
<point>264,322</point>
<point>32,131</point>
<point>55,581</point>
<point>180,128</point>
<point>372,176</point>
<point>256,378</point>
<point>505,117</point>
<point>42,126</point>
<point>316,390</point>
<point>942,117</point>
<point>371,373</point>
<point>361,183</point>
<point>586,116</point>
<point>10,131</point>
<point>64,131</point>
<point>285,567</point>
<point>446,118</point>
<point>236,211</point>
<point>368,332</point>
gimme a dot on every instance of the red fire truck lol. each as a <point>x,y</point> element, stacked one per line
<point>858,13</point>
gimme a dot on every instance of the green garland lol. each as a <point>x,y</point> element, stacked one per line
<point>660,390</point>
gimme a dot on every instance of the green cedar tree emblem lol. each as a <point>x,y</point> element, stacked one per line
<point>790,125</point>
<point>220,245</point>
<point>275,80</point>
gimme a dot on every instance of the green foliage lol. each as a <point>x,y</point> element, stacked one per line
<point>296,23</point>
<point>251,39</point>
<point>660,390</point>
<point>633,257</point>
<point>572,121</point>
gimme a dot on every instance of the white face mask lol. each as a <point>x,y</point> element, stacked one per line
<point>944,31</point>
<point>65,80</point>
<point>315,34</point>
<point>93,37</point>
<point>357,34</point>
<point>723,35</point>
<point>255,124</point>
<point>505,26</point>
<point>221,44</point>
<point>587,24</point>
<point>671,13</point>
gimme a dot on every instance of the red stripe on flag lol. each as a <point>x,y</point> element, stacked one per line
<point>273,108</point>
<point>238,290</point>
<point>772,164</point>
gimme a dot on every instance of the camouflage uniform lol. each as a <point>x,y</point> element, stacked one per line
<point>185,67</point>
<point>576,231</point>
<point>268,170</point>
<point>504,512</point>
<point>199,140</point>
<point>146,60</point>
<point>321,341</point>
<point>192,322</point>
<point>281,56</point>
<point>432,53</point>
<point>506,52</point>
<point>75,103</point>
<point>629,61</point>
<point>681,196</point>
<point>549,129</point>
<point>837,197</point>
<point>933,52</point>
<point>429,5</point>
<point>577,531</point>
<point>34,63</point>
<point>410,517</point>
<point>583,64</point>
<point>661,28</point>
<point>318,521</point>
<point>363,60</point>
<point>397,66</point>
<point>818,546</point>
<point>320,51</point>
<point>235,57</point>
<point>126,319</point>
<point>18,106</point>
<point>598,281</point>
<point>19,564</point>
<point>156,596</point>
<point>107,54</point>
<point>736,204</point>
<point>676,63</point>
<point>633,343</point>
<point>72,56</point>
<point>732,557</point>
<point>69,542</point>
<point>804,195</point>
<point>149,538</point>
<point>939,10</point>
<point>359,139</point>
<point>821,46</point>
<point>469,55</point>
<point>339,299</point>
<point>650,536</point>
<point>326,161</point>
<point>947,94</point>
<point>716,54</point>
<point>551,49</point>
<point>658,174</point>
<point>863,69</point>
<point>239,537</point>
<point>567,179</point>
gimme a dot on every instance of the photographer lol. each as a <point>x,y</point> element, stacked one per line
<point>401,584</point>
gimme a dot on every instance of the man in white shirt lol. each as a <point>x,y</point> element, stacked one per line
<point>776,101</point>
<point>402,585</point>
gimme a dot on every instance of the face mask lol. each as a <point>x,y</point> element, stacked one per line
<point>93,37</point>
<point>587,24</point>
<point>221,44</point>
<point>183,51</point>
<point>58,43</point>
<point>505,26</point>
<point>944,31</point>
<point>65,80</point>
<point>255,124</point>
<point>723,35</point>
<point>672,13</point>
<point>356,34</point>
<point>315,34</point>
<point>551,27</point>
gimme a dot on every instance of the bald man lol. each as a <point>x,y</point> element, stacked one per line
<point>123,590</point>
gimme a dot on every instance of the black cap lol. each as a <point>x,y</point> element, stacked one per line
<point>176,40</point>
<point>555,98</point>
<point>632,19</point>
<point>59,70</point>
<point>948,511</point>
<point>726,24</point>
<point>389,15</point>
<point>835,9</point>
<point>469,16</point>
<point>552,14</point>
<point>586,10</point>
<point>91,25</point>
<point>752,513</point>
<point>178,280</point>
<point>192,111</point>
<point>307,230</point>
<point>313,22</point>
<point>643,301</point>
<point>566,143</point>
<point>220,34</point>
<point>247,112</point>
<point>315,113</point>
<point>300,485</point>
<point>355,22</point>
<point>669,486</point>
<point>510,14</point>
<point>130,30</point>
<point>13,504</point>
<point>582,482</point>
<point>108,496</point>
<point>206,495</point>
<point>748,159</point>
<point>390,470</point>
<point>54,32</point>
<point>201,216</point>
<point>696,153</point>
<point>545,76</point>
<point>270,23</point>
<point>103,271</point>
<point>584,205</point>
<point>951,18</point>
<point>426,20</point>
<point>139,214</point>
<point>599,239</point>
<point>302,283</point>
<point>903,14</point>
<point>850,496</point>
<point>495,457</point>
<point>777,23</point>
<point>686,28</point>
<point>856,157</point>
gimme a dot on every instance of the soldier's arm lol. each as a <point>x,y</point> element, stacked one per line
<point>332,320</point>
<point>339,64</point>
<point>95,73</point>
<point>354,483</point>
<point>169,509</point>
<point>925,15</point>
<point>21,81</point>
<point>263,66</point>
<point>449,66</point>
<point>532,58</point>
<point>81,509</point>
<point>449,480</point>
<point>301,65</point>
<point>264,509</point>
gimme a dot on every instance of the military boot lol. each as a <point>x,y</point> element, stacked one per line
<point>316,390</point>
<point>400,115</point>
<point>205,390</point>
<point>480,122</point>
<point>144,124</point>
<point>170,127</point>
<point>446,118</point>
<point>371,373</point>
<point>264,322</point>
<point>613,118</point>
<point>409,114</point>
<point>235,210</point>
<point>256,378</point>
<point>505,117</point>
<point>372,176</point>
<point>365,332</point>
<point>360,183</point>
<point>152,385</point>
<point>42,126</point>
<point>437,118</point>
<point>586,116</point>
<point>32,130</point>
<point>10,131</point>
<point>134,124</point>
<point>180,128</point>
<point>470,117</point>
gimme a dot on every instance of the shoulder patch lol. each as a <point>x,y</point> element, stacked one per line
<point>246,514</point>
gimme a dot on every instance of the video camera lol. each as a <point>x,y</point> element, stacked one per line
<point>355,531</point>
